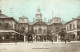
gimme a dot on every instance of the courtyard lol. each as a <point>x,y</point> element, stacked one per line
<point>73,46</point>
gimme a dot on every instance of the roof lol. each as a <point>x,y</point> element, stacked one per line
<point>31,23</point>
<point>56,24</point>
<point>55,18</point>
<point>40,23</point>
<point>3,16</point>
<point>12,31</point>
<point>48,23</point>
<point>9,18</point>
<point>23,17</point>
<point>73,19</point>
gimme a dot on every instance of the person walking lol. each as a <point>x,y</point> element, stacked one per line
<point>52,39</point>
<point>65,40</point>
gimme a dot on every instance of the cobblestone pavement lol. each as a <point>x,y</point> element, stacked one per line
<point>40,47</point>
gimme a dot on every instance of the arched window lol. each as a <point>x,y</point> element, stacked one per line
<point>6,25</point>
<point>40,30</point>
<point>73,36</point>
<point>44,30</point>
<point>23,29</point>
<point>73,26</point>
<point>70,26</point>
<point>36,31</point>
<point>57,27</point>
<point>7,36</point>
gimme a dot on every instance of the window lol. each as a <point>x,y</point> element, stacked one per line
<point>44,30</point>
<point>22,30</point>
<point>0,23</point>
<point>73,26</point>
<point>57,27</point>
<point>6,24</point>
<point>22,19</point>
<point>7,36</point>
<point>70,26</point>
<point>78,26</point>
<point>36,31</point>
<point>78,33</point>
<point>56,20</point>
<point>40,30</point>
<point>73,36</point>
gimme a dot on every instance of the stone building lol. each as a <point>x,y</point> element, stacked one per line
<point>55,27</point>
<point>73,28</point>
<point>23,27</point>
<point>8,28</point>
<point>41,30</point>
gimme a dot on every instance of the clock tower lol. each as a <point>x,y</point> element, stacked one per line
<point>38,15</point>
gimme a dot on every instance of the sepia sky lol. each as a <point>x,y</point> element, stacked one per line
<point>65,9</point>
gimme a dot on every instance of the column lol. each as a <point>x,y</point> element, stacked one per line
<point>24,38</point>
<point>3,37</point>
<point>58,38</point>
<point>75,35</point>
<point>13,37</point>
<point>43,37</point>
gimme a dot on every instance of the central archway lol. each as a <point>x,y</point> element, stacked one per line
<point>29,36</point>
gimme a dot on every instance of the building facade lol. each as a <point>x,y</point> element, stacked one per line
<point>73,28</point>
<point>23,27</point>
<point>8,28</point>
<point>40,30</point>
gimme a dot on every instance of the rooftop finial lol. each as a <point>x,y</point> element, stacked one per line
<point>52,13</point>
<point>38,6</point>
<point>33,19</point>
<point>38,10</point>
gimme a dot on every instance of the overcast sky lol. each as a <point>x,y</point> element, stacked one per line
<point>65,9</point>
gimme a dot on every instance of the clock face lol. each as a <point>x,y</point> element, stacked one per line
<point>38,15</point>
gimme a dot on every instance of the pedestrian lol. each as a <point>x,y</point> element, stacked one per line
<point>52,40</point>
<point>65,40</point>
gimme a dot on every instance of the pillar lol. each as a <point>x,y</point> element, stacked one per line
<point>24,38</point>
<point>3,37</point>
<point>13,37</point>
<point>75,36</point>
<point>58,38</point>
<point>43,38</point>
